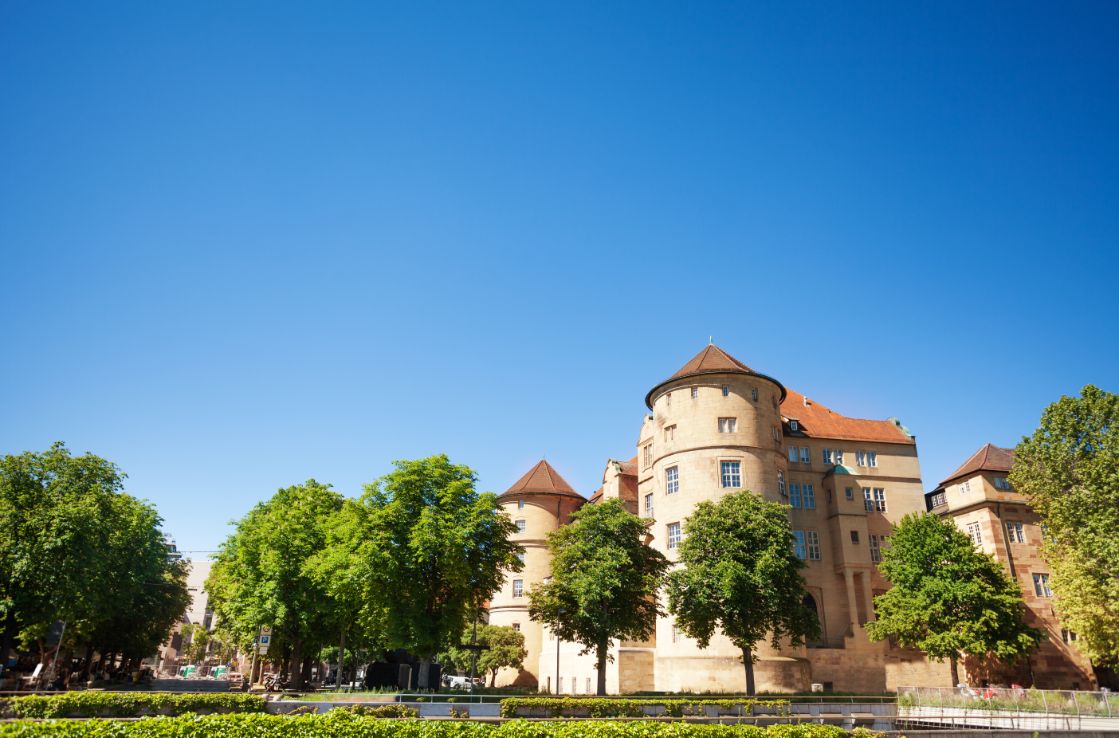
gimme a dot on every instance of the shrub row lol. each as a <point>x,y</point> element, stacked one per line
<point>345,724</point>
<point>126,704</point>
<point>601,707</point>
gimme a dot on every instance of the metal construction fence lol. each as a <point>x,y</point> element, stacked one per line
<point>1012,708</point>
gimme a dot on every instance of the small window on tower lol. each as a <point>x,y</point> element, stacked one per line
<point>726,390</point>
<point>517,627</point>
<point>520,504</point>
<point>695,392</point>
<point>521,525</point>
<point>728,425</point>
<point>854,536</point>
<point>754,394</point>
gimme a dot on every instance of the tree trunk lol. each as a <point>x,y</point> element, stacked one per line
<point>600,690</point>
<point>424,673</point>
<point>88,661</point>
<point>493,678</point>
<point>307,668</point>
<point>295,666</point>
<point>955,669</point>
<point>748,662</point>
<point>341,660</point>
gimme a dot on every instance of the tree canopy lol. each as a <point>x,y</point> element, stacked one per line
<point>604,581</point>
<point>739,573</point>
<point>947,597</point>
<point>435,550</point>
<point>262,574</point>
<point>75,548</point>
<point>1069,470</point>
<point>504,648</point>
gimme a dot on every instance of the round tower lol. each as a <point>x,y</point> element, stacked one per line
<point>539,502</point>
<point>715,428</point>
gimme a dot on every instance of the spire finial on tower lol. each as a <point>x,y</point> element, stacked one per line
<point>710,340</point>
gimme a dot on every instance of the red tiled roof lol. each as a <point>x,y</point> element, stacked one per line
<point>542,479</point>
<point>629,468</point>
<point>817,421</point>
<point>988,458</point>
<point>596,496</point>
<point>711,360</point>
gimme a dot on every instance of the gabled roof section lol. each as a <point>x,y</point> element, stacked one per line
<point>542,479</point>
<point>988,458</point>
<point>816,421</point>
<point>711,360</point>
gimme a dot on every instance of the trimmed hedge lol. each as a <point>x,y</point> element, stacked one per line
<point>344,724</point>
<point>126,704</point>
<point>600,707</point>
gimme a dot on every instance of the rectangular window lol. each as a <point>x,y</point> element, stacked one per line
<point>850,493</point>
<point>521,526</point>
<point>648,506</point>
<point>965,487</point>
<point>520,504</point>
<point>781,484</point>
<point>669,432</point>
<point>975,533</point>
<point>868,500</point>
<point>728,425</point>
<point>731,473</point>
<point>879,499</point>
<point>754,394</point>
<point>875,548</point>
<point>854,536</point>
<point>794,494</point>
<point>794,425</point>
<point>668,399</point>
<point>677,634</point>
<point>809,497</point>
<point>1002,483</point>
<point>671,480</point>
<point>939,499</point>
<point>813,541</point>
<point>798,544</point>
<point>647,455</point>
<point>860,458</point>
<point>1068,636</point>
<point>827,455</point>
<point>695,393</point>
<point>1015,532</point>
<point>726,390</point>
<point>1041,585</point>
<point>838,452</point>
<point>674,536</point>
<point>517,627</point>
<point>793,455</point>
<point>872,458</point>
<point>521,556</point>
<point>805,458</point>
<point>518,588</point>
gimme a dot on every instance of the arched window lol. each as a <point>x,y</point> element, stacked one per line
<point>810,602</point>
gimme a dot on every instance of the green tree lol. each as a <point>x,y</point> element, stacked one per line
<point>604,581</point>
<point>262,575</point>
<point>197,640</point>
<point>435,549</point>
<point>1069,470</point>
<point>739,573</point>
<point>74,547</point>
<point>947,597</point>
<point>504,648</point>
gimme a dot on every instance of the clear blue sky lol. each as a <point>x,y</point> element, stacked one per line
<point>244,244</point>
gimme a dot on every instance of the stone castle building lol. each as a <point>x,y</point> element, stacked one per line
<point>716,426</point>
<point>979,498</point>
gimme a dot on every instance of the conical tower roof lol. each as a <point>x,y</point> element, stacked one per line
<point>988,458</point>
<point>711,360</point>
<point>542,479</point>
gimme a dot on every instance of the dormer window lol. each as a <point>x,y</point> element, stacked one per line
<point>794,425</point>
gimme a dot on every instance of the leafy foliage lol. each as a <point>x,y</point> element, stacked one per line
<point>948,597</point>
<point>740,574</point>
<point>1069,470</point>
<point>73,547</point>
<point>505,648</point>
<point>435,549</point>
<point>126,704</point>
<point>604,581</point>
<point>342,724</point>
<point>599,707</point>
<point>261,574</point>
